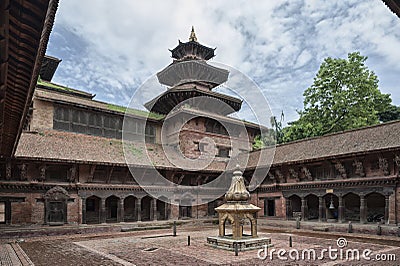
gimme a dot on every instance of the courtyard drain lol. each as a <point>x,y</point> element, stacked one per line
<point>150,249</point>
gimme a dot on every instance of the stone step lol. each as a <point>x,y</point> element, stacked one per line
<point>320,229</point>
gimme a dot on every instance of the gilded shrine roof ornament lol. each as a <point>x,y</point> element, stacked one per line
<point>192,37</point>
<point>237,191</point>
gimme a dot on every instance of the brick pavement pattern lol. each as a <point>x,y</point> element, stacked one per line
<point>160,248</point>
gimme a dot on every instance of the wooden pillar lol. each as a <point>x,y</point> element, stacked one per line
<point>304,209</point>
<point>320,208</point>
<point>254,228</point>
<point>120,211</point>
<point>363,210</point>
<point>387,204</point>
<point>221,225</point>
<point>103,213</point>
<point>167,211</point>
<point>154,209</point>
<point>83,210</point>
<point>341,210</point>
<point>138,208</point>
<point>288,208</point>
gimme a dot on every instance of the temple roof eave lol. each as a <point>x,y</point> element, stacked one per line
<point>193,70</point>
<point>164,102</point>
<point>180,50</point>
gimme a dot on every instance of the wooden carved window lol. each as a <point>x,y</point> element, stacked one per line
<point>2,212</point>
<point>150,134</point>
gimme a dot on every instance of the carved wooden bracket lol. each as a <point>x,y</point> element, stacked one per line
<point>383,165</point>
<point>359,168</point>
<point>307,173</point>
<point>280,176</point>
<point>341,169</point>
<point>294,174</point>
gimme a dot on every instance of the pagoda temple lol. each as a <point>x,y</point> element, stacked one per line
<point>190,76</point>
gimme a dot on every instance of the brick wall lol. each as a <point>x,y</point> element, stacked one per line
<point>74,210</point>
<point>42,117</point>
<point>280,204</point>
<point>174,211</point>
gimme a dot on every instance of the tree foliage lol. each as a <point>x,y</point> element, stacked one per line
<point>271,136</point>
<point>392,113</point>
<point>344,96</point>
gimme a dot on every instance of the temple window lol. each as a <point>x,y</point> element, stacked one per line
<point>97,124</point>
<point>223,152</point>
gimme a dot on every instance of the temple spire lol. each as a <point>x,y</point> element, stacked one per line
<point>237,191</point>
<point>192,37</point>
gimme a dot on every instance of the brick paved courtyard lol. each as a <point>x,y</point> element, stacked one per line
<point>158,247</point>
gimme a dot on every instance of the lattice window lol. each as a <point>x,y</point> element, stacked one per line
<point>92,123</point>
<point>150,134</point>
<point>224,152</point>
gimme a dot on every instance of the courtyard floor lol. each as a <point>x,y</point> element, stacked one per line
<point>159,247</point>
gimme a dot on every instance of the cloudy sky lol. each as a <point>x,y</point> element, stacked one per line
<point>109,48</point>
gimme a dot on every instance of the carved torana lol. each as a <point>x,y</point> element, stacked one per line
<point>56,193</point>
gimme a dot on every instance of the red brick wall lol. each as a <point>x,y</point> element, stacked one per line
<point>280,204</point>
<point>74,210</point>
<point>42,117</point>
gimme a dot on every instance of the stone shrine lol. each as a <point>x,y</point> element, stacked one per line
<point>237,211</point>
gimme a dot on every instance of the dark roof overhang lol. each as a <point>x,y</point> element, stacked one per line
<point>167,101</point>
<point>192,70</point>
<point>24,34</point>
<point>49,67</point>
<point>192,48</point>
<point>394,6</point>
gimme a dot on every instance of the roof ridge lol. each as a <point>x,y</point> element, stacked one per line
<point>335,133</point>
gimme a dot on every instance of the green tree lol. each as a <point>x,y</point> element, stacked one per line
<point>344,96</point>
<point>271,136</point>
<point>277,125</point>
<point>267,140</point>
<point>392,113</point>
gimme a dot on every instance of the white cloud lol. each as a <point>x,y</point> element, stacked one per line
<point>110,48</point>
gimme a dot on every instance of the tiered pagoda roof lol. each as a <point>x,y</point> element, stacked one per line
<point>190,76</point>
<point>192,49</point>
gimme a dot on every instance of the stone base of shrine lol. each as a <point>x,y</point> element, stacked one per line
<point>246,243</point>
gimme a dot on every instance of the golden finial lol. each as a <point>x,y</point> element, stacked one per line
<point>192,37</point>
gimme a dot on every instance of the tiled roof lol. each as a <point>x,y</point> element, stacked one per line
<point>381,137</point>
<point>55,96</point>
<point>72,147</point>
